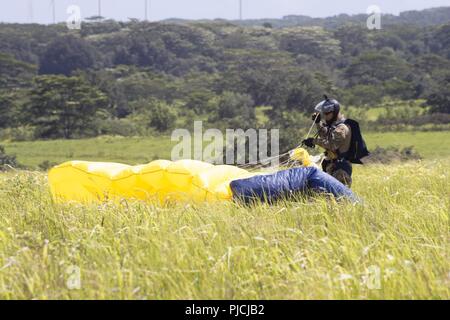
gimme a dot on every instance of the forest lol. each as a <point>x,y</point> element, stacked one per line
<point>139,78</point>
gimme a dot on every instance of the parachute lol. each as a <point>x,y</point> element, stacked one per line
<point>183,181</point>
<point>289,183</point>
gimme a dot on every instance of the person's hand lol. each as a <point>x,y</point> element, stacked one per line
<point>309,143</point>
<point>316,117</point>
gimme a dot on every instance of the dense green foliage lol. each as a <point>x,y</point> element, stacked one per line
<point>67,54</point>
<point>135,78</point>
<point>63,106</point>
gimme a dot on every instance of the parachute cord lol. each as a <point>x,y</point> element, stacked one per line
<point>286,162</point>
<point>260,165</point>
<point>312,126</point>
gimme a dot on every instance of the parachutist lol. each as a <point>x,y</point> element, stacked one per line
<point>340,137</point>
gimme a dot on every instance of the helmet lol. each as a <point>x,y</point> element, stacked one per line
<point>328,105</point>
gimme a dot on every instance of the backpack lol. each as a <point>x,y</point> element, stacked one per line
<point>358,147</point>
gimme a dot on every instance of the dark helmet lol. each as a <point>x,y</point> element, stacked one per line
<point>328,105</point>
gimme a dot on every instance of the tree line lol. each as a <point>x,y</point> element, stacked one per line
<point>137,78</point>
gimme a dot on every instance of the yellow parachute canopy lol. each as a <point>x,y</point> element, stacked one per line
<point>160,180</point>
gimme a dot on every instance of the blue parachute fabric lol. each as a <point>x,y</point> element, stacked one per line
<point>287,183</point>
<point>271,187</point>
<point>322,182</point>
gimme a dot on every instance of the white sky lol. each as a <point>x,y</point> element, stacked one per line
<point>40,11</point>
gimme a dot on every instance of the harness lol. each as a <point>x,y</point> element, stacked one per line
<point>357,149</point>
<point>334,155</point>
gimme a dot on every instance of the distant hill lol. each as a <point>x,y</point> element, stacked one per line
<point>142,77</point>
<point>421,18</point>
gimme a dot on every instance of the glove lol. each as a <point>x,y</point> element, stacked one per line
<point>316,117</point>
<point>309,142</point>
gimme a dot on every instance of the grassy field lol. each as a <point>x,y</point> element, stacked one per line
<point>430,145</point>
<point>394,246</point>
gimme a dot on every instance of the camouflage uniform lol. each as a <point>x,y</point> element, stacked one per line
<point>335,139</point>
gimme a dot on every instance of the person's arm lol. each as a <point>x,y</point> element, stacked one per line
<point>336,140</point>
<point>322,130</point>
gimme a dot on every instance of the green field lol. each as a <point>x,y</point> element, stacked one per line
<point>430,145</point>
<point>394,246</point>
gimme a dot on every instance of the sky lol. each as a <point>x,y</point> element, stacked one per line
<point>40,11</point>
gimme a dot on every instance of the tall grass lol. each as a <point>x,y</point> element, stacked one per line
<point>306,249</point>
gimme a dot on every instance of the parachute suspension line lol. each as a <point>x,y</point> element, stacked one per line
<point>260,165</point>
<point>289,163</point>
<point>312,126</point>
